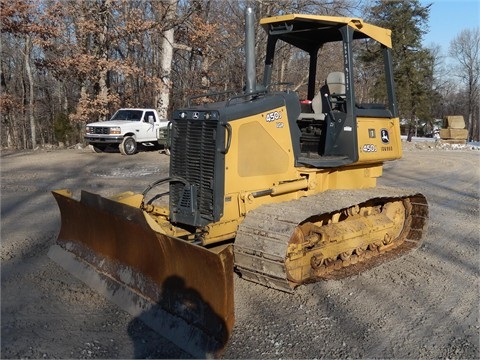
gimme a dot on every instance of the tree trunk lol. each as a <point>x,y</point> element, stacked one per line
<point>28,69</point>
<point>410,132</point>
<point>10,143</point>
<point>103,95</point>
<point>163,98</point>
<point>205,82</point>
<point>102,53</point>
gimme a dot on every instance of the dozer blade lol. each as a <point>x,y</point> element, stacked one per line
<point>181,290</point>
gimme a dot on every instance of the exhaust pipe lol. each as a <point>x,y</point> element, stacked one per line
<point>251,84</point>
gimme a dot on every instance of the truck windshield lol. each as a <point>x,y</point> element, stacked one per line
<point>132,115</point>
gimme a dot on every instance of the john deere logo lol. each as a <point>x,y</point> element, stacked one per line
<point>384,136</point>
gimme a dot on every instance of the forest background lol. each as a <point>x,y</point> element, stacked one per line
<point>65,63</point>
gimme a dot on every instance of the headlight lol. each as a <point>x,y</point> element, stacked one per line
<point>115,130</point>
<point>88,129</point>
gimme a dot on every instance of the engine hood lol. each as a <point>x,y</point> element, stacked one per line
<point>112,123</point>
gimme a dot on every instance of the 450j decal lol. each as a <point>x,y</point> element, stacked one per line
<point>272,116</point>
<point>369,148</point>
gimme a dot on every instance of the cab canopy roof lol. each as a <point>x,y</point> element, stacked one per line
<point>308,32</point>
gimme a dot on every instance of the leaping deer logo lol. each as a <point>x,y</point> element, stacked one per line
<point>384,136</point>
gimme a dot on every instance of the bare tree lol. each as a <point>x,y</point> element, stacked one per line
<point>31,99</point>
<point>163,97</point>
<point>465,48</point>
<point>22,32</point>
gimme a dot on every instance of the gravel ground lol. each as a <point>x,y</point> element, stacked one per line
<point>422,305</point>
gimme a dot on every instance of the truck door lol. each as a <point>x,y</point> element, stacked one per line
<point>150,124</point>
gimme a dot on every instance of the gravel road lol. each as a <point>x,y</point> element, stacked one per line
<point>422,305</point>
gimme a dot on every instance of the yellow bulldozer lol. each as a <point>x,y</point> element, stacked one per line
<point>277,189</point>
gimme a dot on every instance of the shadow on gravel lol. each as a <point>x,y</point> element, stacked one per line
<point>140,148</point>
<point>185,319</point>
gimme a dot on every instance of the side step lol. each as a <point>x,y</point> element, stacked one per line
<point>330,161</point>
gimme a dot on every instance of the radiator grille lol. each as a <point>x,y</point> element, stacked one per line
<point>101,130</point>
<point>193,154</point>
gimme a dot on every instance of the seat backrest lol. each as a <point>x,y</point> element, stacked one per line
<point>317,103</point>
<point>336,83</point>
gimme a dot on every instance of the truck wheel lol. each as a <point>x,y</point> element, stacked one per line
<point>128,146</point>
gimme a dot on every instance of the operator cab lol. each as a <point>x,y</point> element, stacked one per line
<point>327,123</point>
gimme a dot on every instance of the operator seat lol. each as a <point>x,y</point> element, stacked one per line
<point>330,97</point>
<point>334,91</point>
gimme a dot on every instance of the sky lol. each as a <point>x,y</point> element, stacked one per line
<point>448,18</point>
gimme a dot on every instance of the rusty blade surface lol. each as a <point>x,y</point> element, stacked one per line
<point>183,291</point>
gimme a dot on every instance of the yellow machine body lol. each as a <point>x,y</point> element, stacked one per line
<point>261,153</point>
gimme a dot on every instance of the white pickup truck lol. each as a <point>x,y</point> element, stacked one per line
<point>127,128</point>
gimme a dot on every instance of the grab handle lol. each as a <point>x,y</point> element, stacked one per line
<point>228,127</point>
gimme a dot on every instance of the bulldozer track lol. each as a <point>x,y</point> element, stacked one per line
<point>263,237</point>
